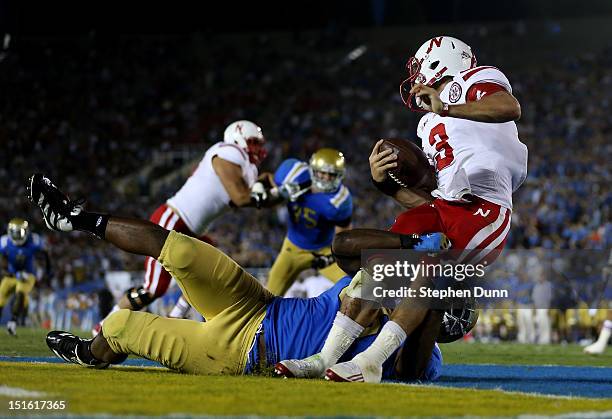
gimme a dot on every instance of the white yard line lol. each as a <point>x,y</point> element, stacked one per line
<point>19,392</point>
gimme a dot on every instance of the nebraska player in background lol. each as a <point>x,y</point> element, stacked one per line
<point>221,181</point>
<point>469,135</point>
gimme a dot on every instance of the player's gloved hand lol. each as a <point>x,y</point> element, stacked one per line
<point>322,261</point>
<point>292,191</point>
<point>258,194</point>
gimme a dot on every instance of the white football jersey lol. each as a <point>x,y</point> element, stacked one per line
<point>203,197</point>
<point>483,159</point>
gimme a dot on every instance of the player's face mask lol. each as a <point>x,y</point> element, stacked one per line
<point>325,181</point>
<point>413,67</point>
<point>256,150</point>
<point>18,232</point>
<point>326,169</point>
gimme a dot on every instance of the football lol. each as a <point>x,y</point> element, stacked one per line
<point>413,170</point>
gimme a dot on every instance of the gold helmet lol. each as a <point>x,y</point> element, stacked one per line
<point>18,231</point>
<point>327,169</point>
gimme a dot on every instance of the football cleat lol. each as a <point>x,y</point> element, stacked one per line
<point>357,370</point>
<point>56,208</point>
<point>311,367</point>
<point>597,348</point>
<point>11,327</point>
<point>66,346</point>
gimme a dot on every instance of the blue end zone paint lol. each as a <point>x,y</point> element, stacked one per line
<point>549,380</point>
<point>553,380</point>
<point>132,362</point>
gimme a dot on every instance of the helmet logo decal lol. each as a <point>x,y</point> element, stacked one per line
<point>454,94</point>
<point>436,41</point>
<point>239,128</point>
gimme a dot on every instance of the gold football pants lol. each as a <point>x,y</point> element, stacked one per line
<point>10,284</point>
<point>293,260</point>
<point>231,300</point>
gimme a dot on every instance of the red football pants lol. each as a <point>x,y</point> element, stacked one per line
<point>157,279</point>
<point>477,230</point>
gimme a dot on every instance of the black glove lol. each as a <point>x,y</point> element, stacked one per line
<point>322,261</point>
<point>259,194</point>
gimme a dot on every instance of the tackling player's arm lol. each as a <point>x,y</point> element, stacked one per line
<point>231,177</point>
<point>347,245</point>
<point>341,228</point>
<point>495,105</point>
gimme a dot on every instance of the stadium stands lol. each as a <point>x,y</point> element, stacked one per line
<point>91,112</point>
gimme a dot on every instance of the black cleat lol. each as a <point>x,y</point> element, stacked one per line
<point>67,347</point>
<point>56,207</point>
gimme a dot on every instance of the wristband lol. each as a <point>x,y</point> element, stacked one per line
<point>444,111</point>
<point>387,187</point>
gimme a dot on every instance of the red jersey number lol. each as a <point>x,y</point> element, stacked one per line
<point>438,136</point>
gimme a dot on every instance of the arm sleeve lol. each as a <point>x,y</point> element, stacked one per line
<point>479,90</point>
<point>286,171</point>
<point>485,74</point>
<point>340,212</point>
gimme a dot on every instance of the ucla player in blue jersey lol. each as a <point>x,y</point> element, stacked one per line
<point>247,328</point>
<point>319,205</point>
<point>18,250</point>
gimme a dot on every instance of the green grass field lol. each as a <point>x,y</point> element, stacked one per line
<point>152,391</point>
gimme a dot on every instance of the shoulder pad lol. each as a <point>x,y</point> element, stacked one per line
<point>231,153</point>
<point>481,74</point>
<point>340,197</point>
<point>292,170</point>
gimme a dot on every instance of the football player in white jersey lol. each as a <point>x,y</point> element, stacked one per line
<point>470,137</point>
<point>222,180</point>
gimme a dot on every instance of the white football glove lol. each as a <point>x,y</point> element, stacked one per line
<point>292,191</point>
<point>258,194</point>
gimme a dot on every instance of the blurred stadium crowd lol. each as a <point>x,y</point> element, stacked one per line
<point>121,120</point>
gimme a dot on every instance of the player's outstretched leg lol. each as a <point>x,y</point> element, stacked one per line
<point>62,214</point>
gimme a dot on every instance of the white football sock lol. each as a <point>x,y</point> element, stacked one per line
<point>391,337</point>
<point>341,336</point>
<point>180,309</point>
<point>605,333</point>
